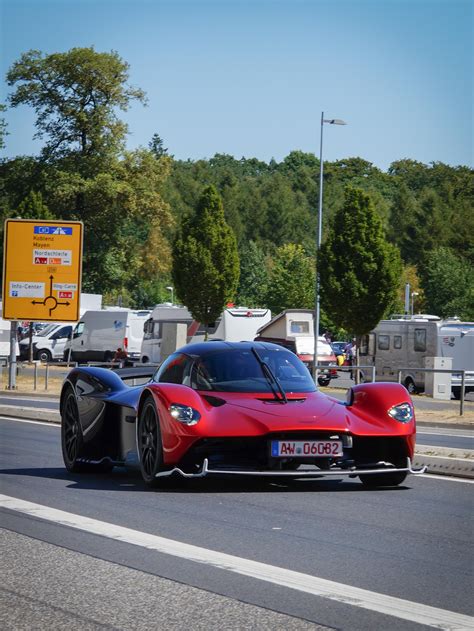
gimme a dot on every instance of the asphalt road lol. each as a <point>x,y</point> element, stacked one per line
<point>413,543</point>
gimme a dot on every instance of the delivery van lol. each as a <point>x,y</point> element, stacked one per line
<point>235,324</point>
<point>48,344</point>
<point>98,334</point>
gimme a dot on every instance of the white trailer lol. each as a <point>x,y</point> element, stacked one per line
<point>235,324</point>
<point>406,342</point>
<point>294,329</point>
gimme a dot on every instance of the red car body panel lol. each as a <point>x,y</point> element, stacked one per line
<point>248,415</point>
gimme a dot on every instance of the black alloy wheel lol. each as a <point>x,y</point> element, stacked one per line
<point>150,451</point>
<point>71,433</point>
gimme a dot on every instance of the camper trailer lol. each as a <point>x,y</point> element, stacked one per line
<point>405,342</point>
<point>294,329</point>
<point>234,325</point>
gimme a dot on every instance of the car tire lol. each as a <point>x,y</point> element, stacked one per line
<point>145,360</point>
<point>382,479</point>
<point>323,382</point>
<point>410,386</point>
<point>150,449</point>
<point>72,440</point>
<point>43,355</point>
<point>108,356</point>
<point>457,393</point>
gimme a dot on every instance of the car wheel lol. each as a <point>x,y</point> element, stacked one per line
<point>382,479</point>
<point>145,360</point>
<point>456,393</point>
<point>150,450</point>
<point>71,433</point>
<point>323,382</point>
<point>108,356</point>
<point>410,386</point>
<point>44,355</point>
<point>72,441</point>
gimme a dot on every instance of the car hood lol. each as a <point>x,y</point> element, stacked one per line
<point>307,411</point>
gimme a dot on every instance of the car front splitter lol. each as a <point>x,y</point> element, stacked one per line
<point>318,473</point>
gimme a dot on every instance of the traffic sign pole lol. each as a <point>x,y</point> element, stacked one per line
<point>12,367</point>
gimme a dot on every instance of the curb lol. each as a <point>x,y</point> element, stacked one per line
<point>439,460</point>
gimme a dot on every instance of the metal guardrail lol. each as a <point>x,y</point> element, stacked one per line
<point>441,370</point>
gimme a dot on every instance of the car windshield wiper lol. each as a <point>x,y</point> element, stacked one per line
<point>267,371</point>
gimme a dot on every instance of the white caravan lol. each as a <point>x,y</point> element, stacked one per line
<point>234,325</point>
<point>5,328</point>
<point>406,342</point>
<point>294,329</point>
<point>98,334</point>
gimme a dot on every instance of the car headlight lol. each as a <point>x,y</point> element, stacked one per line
<point>184,413</point>
<point>403,412</point>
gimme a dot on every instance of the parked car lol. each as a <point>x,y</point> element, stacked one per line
<point>243,408</point>
<point>48,343</point>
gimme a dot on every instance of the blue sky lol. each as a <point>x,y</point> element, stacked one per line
<point>251,78</point>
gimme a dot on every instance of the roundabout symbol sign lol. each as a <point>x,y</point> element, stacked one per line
<point>42,270</point>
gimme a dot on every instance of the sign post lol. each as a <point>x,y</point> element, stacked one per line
<point>42,269</point>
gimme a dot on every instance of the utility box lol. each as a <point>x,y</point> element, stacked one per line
<point>174,336</point>
<point>438,384</point>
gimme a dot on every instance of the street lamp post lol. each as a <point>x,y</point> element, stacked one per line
<point>413,294</point>
<point>171,289</point>
<point>329,121</point>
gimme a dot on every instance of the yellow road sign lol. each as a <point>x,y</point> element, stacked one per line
<point>42,269</point>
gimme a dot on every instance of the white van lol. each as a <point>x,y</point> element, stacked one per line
<point>98,334</point>
<point>48,344</point>
<point>235,324</point>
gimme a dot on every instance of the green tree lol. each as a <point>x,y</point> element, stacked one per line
<point>448,283</point>
<point>156,146</point>
<point>3,127</point>
<point>358,269</point>
<point>291,281</point>
<point>205,265</point>
<point>33,207</point>
<point>76,95</point>
<point>253,282</point>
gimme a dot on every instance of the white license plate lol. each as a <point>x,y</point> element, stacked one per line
<point>306,448</point>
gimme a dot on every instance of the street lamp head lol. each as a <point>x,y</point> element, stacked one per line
<point>334,121</point>
<point>170,288</point>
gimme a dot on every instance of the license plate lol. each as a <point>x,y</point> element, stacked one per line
<point>306,448</point>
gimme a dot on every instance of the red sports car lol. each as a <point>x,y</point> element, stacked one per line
<point>247,408</point>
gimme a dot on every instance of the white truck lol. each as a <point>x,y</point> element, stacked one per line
<point>98,334</point>
<point>405,342</point>
<point>234,325</point>
<point>5,328</point>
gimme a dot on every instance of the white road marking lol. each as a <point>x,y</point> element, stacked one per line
<point>449,478</point>
<point>387,605</point>
<point>24,420</point>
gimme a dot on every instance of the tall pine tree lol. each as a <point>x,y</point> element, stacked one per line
<point>358,269</point>
<point>205,260</point>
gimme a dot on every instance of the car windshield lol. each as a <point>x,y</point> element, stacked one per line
<point>240,371</point>
<point>46,331</point>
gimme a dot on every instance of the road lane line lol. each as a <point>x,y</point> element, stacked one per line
<point>346,594</point>
<point>24,420</point>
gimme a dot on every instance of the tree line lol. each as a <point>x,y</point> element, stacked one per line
<point>413,223</point>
